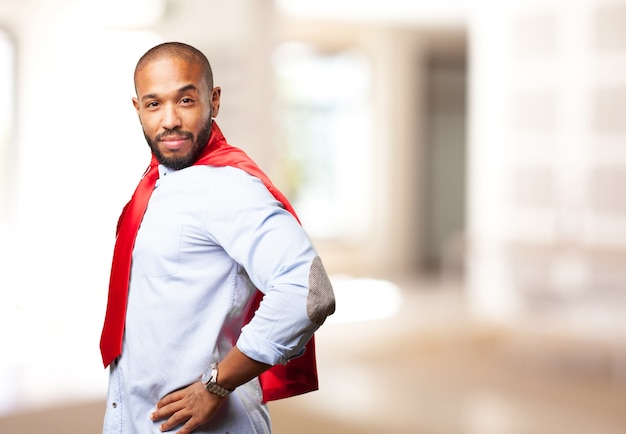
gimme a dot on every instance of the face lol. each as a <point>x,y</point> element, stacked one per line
<point>175,108</point>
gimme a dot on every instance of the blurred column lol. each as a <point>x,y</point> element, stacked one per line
<point>238,37</point>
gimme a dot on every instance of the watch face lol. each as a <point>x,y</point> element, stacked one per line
<point>212,386</point>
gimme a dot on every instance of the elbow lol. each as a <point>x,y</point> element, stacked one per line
<point>321,298</point>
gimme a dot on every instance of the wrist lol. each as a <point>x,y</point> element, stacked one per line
<point>211,384</point>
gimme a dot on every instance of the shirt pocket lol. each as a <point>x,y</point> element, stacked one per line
<point>157,249</point>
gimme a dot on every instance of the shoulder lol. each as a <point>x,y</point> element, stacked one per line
<point>228,186</point>
<point>223,177</point>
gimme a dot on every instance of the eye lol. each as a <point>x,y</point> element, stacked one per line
<point>152,104</point>
<point>186,101</point>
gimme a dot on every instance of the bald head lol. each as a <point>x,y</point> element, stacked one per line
<point>177,50</point>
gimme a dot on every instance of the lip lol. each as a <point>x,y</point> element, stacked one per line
<point>174,143</point>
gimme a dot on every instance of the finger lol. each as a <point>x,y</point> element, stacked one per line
<point>176,419</point>
<point>168,399</point>
<point>188,427</point>
<point>167,410</point>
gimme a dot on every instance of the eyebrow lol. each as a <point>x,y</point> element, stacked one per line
<point>181,90</point>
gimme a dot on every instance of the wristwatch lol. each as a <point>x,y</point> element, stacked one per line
<point>212,386</point>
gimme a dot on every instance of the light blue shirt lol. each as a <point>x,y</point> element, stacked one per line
<point>209,237</point>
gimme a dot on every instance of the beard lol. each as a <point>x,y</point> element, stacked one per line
<point>178,162</point>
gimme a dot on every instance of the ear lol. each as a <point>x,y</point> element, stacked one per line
<point>136,104</point>
<point>215,100</point>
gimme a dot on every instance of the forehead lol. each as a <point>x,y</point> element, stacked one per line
<point>168,74</point>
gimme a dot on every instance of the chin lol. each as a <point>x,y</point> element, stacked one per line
<point>174,160</point>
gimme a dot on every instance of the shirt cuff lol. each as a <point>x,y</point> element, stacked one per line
<point>268,352</point>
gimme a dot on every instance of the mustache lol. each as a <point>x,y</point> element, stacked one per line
<point>173,133</point>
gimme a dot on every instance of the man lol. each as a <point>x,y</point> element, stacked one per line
<point>204,233</point>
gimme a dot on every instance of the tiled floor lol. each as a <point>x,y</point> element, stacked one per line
<point>425,370</point>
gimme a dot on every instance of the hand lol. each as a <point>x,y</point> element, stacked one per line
<point>192,406</point>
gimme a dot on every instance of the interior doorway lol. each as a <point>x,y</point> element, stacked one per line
<point>445,157</point>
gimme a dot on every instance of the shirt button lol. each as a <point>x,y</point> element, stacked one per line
<point>114,405</point>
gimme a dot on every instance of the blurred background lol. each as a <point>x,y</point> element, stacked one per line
<point>460,165</point>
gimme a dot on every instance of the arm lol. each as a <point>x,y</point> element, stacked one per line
<point>237,369</point>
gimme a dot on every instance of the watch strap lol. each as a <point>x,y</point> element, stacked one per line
<point>213,386</point>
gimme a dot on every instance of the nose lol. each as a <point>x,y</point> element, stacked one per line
<point>171,118</point>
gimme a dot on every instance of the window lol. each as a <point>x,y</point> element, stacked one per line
<point>325,119</point>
